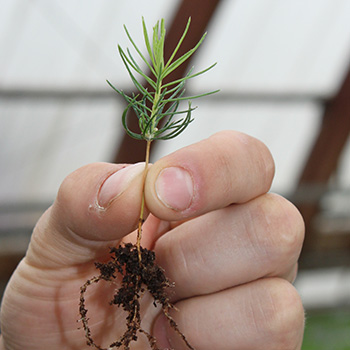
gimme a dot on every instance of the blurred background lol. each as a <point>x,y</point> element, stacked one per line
<point>283,70</point>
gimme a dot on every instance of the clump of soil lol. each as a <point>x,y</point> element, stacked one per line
<point>139,274</point>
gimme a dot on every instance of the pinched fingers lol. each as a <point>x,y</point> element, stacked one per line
<point>232,246</point>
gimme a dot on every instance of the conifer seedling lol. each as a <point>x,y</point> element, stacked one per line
<point>159,118</point>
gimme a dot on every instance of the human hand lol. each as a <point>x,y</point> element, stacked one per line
<point>230,247</point>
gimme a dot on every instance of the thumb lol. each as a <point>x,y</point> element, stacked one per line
<point>96,206</point>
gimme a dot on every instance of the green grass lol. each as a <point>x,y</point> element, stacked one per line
<point>327,330</point>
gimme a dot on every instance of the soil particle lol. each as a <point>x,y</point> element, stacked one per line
<point>138,275</point>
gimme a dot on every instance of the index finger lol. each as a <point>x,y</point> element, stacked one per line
<point>228,167</point>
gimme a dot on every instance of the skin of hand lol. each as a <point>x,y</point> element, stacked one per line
<point>231,248</point>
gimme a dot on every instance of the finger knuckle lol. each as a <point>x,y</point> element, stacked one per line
<point>288,323</point>
<point>284,228</point>
<point>284,315</point>
<point>291,237</point>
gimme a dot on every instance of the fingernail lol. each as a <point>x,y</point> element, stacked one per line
<point>117,183</point>
<point>174,187</point>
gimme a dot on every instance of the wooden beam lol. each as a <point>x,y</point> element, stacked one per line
<point>201,12</point>
<point>324,157</point>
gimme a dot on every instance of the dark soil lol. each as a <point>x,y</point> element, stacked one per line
<point>139,274</point>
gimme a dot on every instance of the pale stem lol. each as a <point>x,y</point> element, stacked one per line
<point>141,218</point>
<point>152,129</point>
